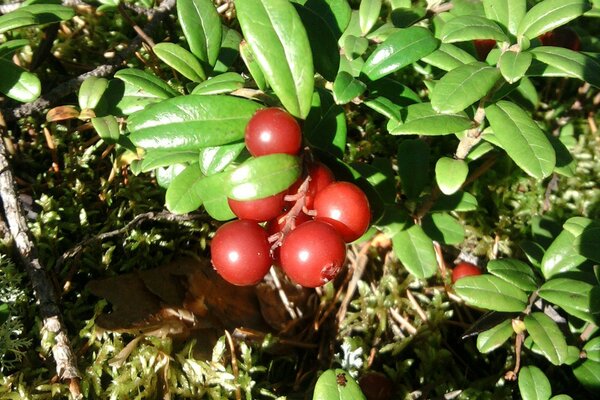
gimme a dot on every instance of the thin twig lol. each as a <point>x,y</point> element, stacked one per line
<point>407,326</point>
<point>234,365</point>
<point>282,295</point>
<point>358,268</point>
<point>416,306</point>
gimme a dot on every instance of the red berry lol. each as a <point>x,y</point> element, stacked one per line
<point>258,210</point>
<point>277,224</point>
<point>320,177</point>
<point>464,269</point>
<point>345,206</point>
<point>483,47</point>
<point>562,37</point>
<point>313,254</point>
<point>240,252</point>
<point>272,130</point>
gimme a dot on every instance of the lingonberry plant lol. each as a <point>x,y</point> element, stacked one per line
<point>463,269</point>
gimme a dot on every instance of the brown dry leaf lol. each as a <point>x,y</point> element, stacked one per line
<point>62,113</point>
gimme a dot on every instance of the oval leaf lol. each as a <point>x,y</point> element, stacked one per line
<point>400,49</point>
<point>346,88</point>
<point>509,13</point>
<point>7,49</point>
<point>550,14</point>
<point>216,159</point>
<point>213,192</point>
<point>588,374</point>
<point>16,19</point>
<point>252,65</point>
<point>49,13</point>
<point>220,84</point>
<point>164,158</point>
<point>562,255</point>
<point>471,27</point>
<point>191,122</point>
<point>181,196</point>
<point>547,336</point>
<point>514,271</point>
<point>513,66</point>
<point>325,125</point>
<point>491,339</point>
<point>533,384</point>
<point>107,128</point>
<point>280,44</point>
<point>592,349</point>
<point>521,138</point>
<point>180,60</point>
<point>491,292</point>
<point>422,119</point>
<point>574,296</point>
<point>201,26</point>
<point>91,91</point>
<point>459,201</point>
<point>368,13</point>
<point>450,174</point>
<point>463,86</point>
<point>415,251</point>
<point>147,82</point>
<point>443,228</point>
<point>567,63</point>
<point>448,56</point>
<point>337,384</point>
<point>17,83</point>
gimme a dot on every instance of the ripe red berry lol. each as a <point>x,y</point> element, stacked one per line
<point>483,47</point>
<point>313,254</point>
<point>240,252</point>
<point>562,37</point>
<point>277,224</point>
<point>258,210</point>
<point>464,269</point>
<point>272,130</point>
<point>320,177</point>
<point>345,206</point>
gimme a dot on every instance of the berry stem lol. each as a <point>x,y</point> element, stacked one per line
<point>290,218</point>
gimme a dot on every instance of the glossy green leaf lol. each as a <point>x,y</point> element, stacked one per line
<point>448,56</point>
<point>157,158</point>
<point>181,196</point>
<point>7,49</point>
<point>325,125</point>
<point>90,92</point>
<point>213,191</point>
<point>355,46</point>
<point>561,397</point>
<point>368,13</point>
<point>561,256</point>
<point>415,251</point>
<point>413,166</point>
<point>323,43</point>
<point>574,296</point>
<point>386,96</point>
<point>381,176</point>
<point>252,65</point>
<point>220,84</point>
<point>346,88</point>
<point>471,27</point>
<point>164,176</point>
<point>16,19</point>
<point>492,293</point>
<point>450,174</point>
<point>592,349</point>
<point>513,66</point>
<point>459,201</point>
<point>191,122</point>
<point>508,13</point>
<point>550,14</point>
<point>463,86</point>
<point>201,27</point>
<point>280,44</point>
<point>180,60</point>
<point>588,374</point>
<point>422,119</point>
<point>586,232</point>
<point>124,98</point>
<point>399,50</point>
<point>336,13</point>
<point>521,138</point>
<point>443,228</point>
<point>565,163</point>
<point>107,128</point>
<point>566,63</point>
<point>495,337</point>
<point>337,384</point>
<point>515,272</point>
<point>547,336</point>
<point>403,17</point>
<point>48,13</point>
<point>17,83</point>
<point>263,176</point>
<point>533,251</point>
<point>393,220</point>
<point>147,82</point>
<point>216,159</point>
<point>533,384</point>
<point>230,50</point>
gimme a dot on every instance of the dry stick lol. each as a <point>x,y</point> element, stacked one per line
<point>44,291</point>
<point>70,86</point>
<point>358,269</point>
<point>234,365</point>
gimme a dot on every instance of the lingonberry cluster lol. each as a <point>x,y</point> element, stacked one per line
<point>303,230</point>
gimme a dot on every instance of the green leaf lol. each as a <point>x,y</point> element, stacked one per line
<point>325,125</point>
<point>164,176</point>
<point>586,232</point>
<point>508,13</point>
<point>91,91</point>
<point>514,272</point>
<point>413,166</point>
<point>263,176</point>
<point>565,163</point>
<point>492,293</point>
<point>550,14</point>
<point>495,337</point>
<point>470,27</point>
<point>230,50</point>
<point>7,49</point>
<point>147,82</point>
<point>17,83</point>
<point>123,98</point>
<point>448,56</point>
<point>450,174</point>
<point>400,49</point>
<point>566,63</point>
<point>443,228</point>
<point>336,13</point>
<point>163,158</point>
<point>216,159</point>
<point>252,65</point>
<point>513,66</point>
<point>561,256</point>
<point>463,86</point>
<point>393,220</point>
<point>521,138</point>
<point>180,60</point>
<point>421,119</point>
<point>588,374</point>
<point>380,176</point>
<point>533,251</point>
<point>107,128</point>
<point>459,201</point>
<point>213,192</point>
<point>403,17</point>
<point>337,384</point>
<point>201,27</point>
<point>533,384</point>
<point>16,19</point>
<point>415,251</point>
<point>181,196</point>
<point>280,44</point>
<point>48,13</point>
<point>592,349</point>
<point>561,397</point>
<point>346,88</point>
<point>220,84</point>
<point>547,336</point>
<point>574,296</point>
<point>368,14</point>
<point>355,46</point>
<point>191,122</point>
<point>386,96</point>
